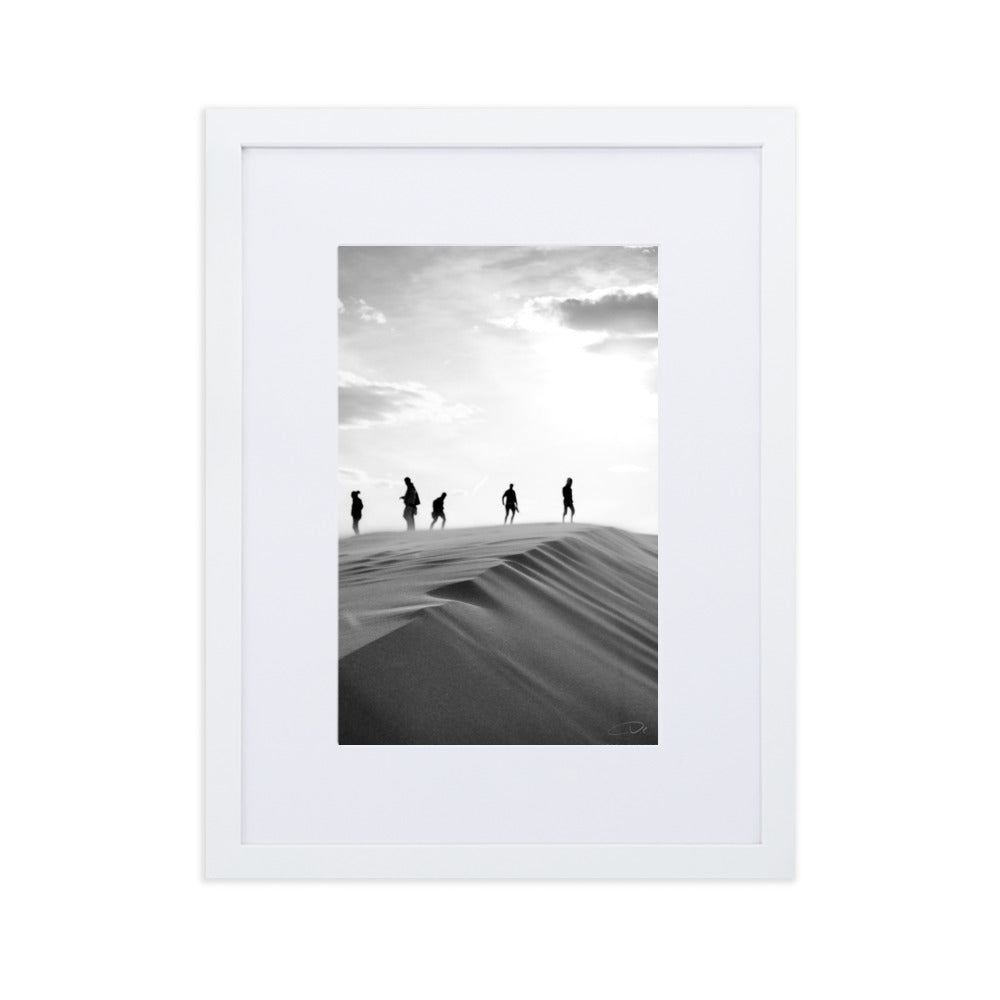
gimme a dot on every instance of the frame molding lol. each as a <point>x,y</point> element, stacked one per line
<point>227,133</point>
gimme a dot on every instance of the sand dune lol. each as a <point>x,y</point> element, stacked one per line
<point>538,633</point>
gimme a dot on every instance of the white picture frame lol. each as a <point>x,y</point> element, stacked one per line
<point>229,134</point>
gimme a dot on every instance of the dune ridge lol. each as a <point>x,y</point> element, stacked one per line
<point>533,634</point>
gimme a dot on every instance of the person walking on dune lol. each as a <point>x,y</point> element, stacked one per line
<point>356,508</point>
<point>411,501</point>
<point>568,501</point>
<point>509,500</point>
<point>437,511</point>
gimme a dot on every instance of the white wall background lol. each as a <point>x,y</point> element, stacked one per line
<point>100,556</point>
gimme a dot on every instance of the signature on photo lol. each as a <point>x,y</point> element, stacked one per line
<point>633,728</point>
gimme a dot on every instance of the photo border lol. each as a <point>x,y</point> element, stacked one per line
<point>227,133</point>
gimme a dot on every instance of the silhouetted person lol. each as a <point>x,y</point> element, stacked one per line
<point>356,508</point>
<point>411,501</point>
<point>437,511</point>
<point>568,501</point>
<point>509,500</point>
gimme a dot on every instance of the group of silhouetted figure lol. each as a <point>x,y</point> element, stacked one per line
<point>509,501</point>
<point>411,501</point>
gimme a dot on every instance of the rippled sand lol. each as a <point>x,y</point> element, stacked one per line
<point>533,634</point>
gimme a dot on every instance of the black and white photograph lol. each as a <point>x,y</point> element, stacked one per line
<point>498,505</point>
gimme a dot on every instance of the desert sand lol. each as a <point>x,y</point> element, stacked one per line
<point>531,634</point>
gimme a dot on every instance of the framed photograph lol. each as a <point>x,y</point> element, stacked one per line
<point>500,493</point>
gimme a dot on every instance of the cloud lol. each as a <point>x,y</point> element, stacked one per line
<point>360,309</point>
<point>616,312</point>
<point>364,403</point>
<point>369,313</point>
<point>639,346</point>
<point>537,315</point>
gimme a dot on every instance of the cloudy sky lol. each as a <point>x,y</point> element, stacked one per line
<point>468,368</point>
